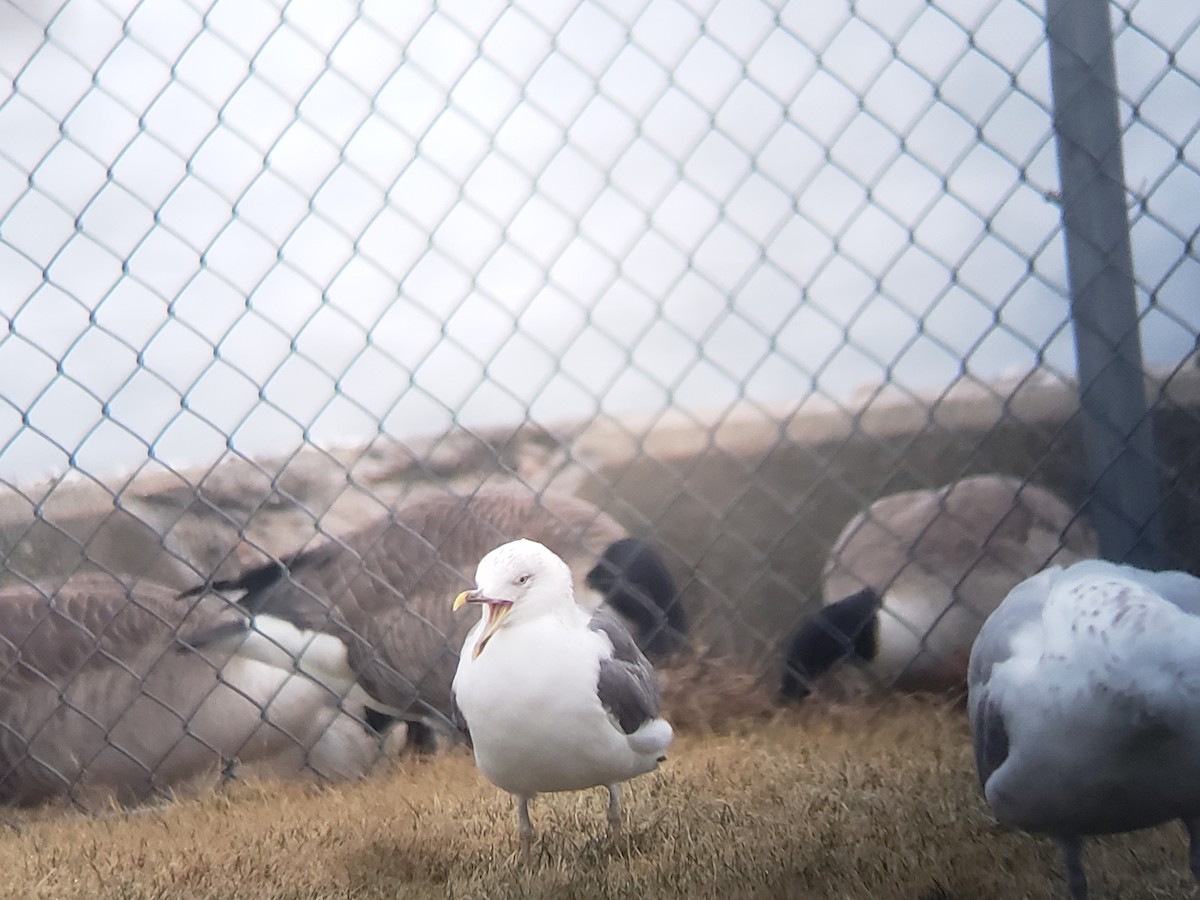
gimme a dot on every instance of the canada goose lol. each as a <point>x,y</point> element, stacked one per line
<point>910,580</point>
<point>1084,698</point>
<point>555,698</point>
<point>101,696</point>
<point>381,592</point>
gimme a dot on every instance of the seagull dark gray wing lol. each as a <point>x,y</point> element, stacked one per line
<point>990,736</point>
<point>993,645</point>
<point>627,686</point>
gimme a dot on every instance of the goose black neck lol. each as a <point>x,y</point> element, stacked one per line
<point>842,630</point>
<point>635,582</point>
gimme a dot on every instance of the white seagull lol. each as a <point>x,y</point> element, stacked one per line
<point>554,698</point>
<point>1084,696</point>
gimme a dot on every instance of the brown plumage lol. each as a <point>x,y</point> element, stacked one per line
<point>385,591</point>
<point>707,693</point>
<point>102,697</point>
<point>978,530</point>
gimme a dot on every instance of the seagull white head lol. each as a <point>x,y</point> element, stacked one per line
<point>517,581</point>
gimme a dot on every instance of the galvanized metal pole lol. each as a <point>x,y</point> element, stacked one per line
<point>1118,435</point>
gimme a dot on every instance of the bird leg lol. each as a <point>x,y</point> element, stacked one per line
<point>614,810</point>
<point>1072,849</point>
<point>524,826</point>
<point>1193,829</point>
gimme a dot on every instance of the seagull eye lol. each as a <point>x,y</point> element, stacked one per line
<point>521,579</point>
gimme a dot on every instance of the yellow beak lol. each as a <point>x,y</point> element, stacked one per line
<point>497,610</point>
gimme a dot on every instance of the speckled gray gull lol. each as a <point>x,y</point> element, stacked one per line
<point>368,613</point>
<point>1084,696</point>
<point>911,579</point>
<point>555,698</point>
<point>103,697</point>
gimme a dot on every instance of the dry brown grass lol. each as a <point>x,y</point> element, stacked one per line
<point>835,802</point>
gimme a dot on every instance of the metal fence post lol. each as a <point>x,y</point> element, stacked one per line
<point>1117,427</point>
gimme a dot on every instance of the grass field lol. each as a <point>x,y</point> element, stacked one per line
<point>835,802</point>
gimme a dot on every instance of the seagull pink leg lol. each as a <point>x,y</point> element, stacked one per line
<point>1072,848</point>
<point>614,810</point>
<point>524,826</point>
<point>1193,830</point>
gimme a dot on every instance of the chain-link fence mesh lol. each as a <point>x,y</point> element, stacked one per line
<point>730,271</point>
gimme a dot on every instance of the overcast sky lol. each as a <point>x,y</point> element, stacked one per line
<point>260,223</point>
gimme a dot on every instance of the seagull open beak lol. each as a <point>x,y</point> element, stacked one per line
<point>497,611</point>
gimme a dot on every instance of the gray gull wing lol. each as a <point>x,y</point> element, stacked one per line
<point>627,685</point>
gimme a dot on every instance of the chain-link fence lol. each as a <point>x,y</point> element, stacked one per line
<point>730,271</point>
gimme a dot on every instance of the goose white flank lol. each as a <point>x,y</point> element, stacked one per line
<point>1085,705</point>
<point>554,698</point>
